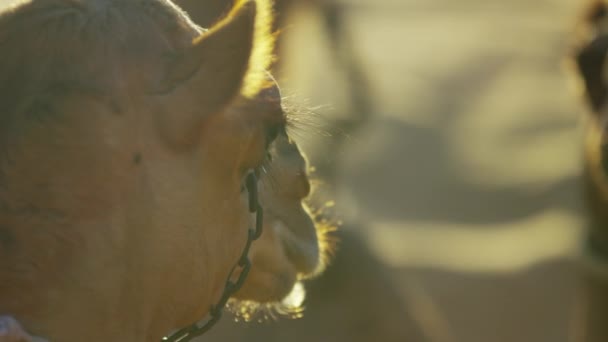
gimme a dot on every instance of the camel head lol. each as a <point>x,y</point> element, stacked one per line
<point>126,134</point>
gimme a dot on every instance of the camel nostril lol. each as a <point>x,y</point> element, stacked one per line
<point>304,187</point>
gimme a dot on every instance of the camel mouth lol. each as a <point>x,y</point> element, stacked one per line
<point>307,243</point>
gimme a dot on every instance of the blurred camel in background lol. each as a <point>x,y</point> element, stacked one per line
<point>590,59</point>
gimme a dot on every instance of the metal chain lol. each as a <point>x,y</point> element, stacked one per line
<point>197,329</point>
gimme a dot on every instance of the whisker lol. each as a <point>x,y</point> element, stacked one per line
<point>304,118</point>
<point>250,311</point>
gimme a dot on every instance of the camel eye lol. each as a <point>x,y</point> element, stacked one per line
<point>274,130</point>
<point>270,134</point>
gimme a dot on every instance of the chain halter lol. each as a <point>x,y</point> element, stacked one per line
<point>199,328</point>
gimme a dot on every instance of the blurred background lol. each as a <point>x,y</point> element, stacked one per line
<point>448,134</point>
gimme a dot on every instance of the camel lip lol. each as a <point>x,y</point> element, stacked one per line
<point>296,297</point>
<point>302,253</point>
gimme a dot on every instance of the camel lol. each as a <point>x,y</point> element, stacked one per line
<point>129,139</point>
<point>589,59</point>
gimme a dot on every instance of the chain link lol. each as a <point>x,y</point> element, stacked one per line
<point>215,313</point>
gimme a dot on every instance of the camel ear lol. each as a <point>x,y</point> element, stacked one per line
<point>213,68</point>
